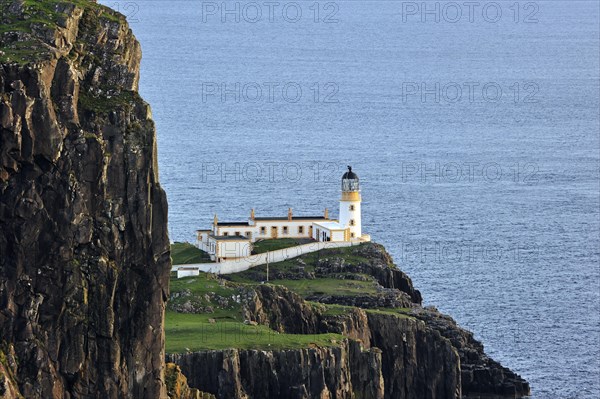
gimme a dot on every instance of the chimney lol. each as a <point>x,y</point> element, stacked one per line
<point>326,213</point>
<point>252,214</point>
<point>290,214</point>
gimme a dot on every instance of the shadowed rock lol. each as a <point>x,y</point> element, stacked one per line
<point>84,252</point>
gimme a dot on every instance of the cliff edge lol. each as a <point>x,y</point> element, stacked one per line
<point>84,252</point>
<point>339,323</point>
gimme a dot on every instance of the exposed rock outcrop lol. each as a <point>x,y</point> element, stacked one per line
<point>281,309</point>
<point>84,252</point>
<point>384,298</point>
<point>379,265</point>
<point>350,324</point>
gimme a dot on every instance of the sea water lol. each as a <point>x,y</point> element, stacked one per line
<point>473,127</point>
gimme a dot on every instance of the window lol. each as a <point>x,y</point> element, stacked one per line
<point>351,222</point>
<point>352,235</point>
<point>351,207</point>
<point>247,234</point>
<point>300,229</point>
<point>237,233</point>
<point>226,234</point>
<point>263,230</point>
<point>285,229</point>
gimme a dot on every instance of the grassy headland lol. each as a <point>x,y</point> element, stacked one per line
<point>206,312</point>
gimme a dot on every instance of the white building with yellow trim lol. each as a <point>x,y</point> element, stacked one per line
<point>231,240</point>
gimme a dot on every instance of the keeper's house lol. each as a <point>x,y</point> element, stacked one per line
<point>230,240</point>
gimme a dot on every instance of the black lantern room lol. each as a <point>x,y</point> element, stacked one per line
<point>350,181</point>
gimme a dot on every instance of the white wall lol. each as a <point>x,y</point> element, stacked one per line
<point>346,215</point>
<point>337,235</point>
<point>205,243</point>
<point>188,272</point>
<point>291,225</point>
<point>318,233</point>
<point>268,224</point>
<point>233,249</point>
<point>330,235</point>
<point>225,248</point>
<point>241,264</point>
<point>232,230</point>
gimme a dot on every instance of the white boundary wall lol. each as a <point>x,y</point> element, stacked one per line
<point>248,262</point>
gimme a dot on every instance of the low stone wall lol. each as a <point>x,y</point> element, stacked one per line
<point>241,264</point>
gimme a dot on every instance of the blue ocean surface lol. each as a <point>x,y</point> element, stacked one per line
<point>474,130</point>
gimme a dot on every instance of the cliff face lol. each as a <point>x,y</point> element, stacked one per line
<point>387,356</point>
<point>291,374</point>
<point>84,252</point>
<point>389,353</point>
<point>177,385</point>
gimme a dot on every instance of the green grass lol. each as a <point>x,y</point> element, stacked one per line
<point>205,290</point>
<point>104,104</point>
<point>201,285</point>
<point>194,332</point>
<point>259,273</point>
<point>262,246</point>
<point>328,286</point>
<point>45,12</point>
<point>403,313</point>
<point>184,253</point>
<point>337,310</point>
<point>333,309</point>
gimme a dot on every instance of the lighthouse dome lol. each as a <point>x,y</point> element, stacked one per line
<point>350,174</point>
<point>350,181</point>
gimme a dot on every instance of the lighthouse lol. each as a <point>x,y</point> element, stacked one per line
<point>234,240</point>
<point>350,204</point>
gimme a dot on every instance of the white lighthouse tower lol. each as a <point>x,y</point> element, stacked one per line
<point>350,205</point>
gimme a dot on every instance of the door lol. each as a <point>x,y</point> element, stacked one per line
<point>273,231</point>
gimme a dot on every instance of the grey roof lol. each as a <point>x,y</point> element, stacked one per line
<point>294,218</point>
<point>350,174</point>
<point>232,224</point>
<point>233,238</point>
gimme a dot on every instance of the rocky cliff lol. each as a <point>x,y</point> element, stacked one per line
<point>84,252</point>
<point>177,385</point>
<point>406,352</point>
<point>292,374</point>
